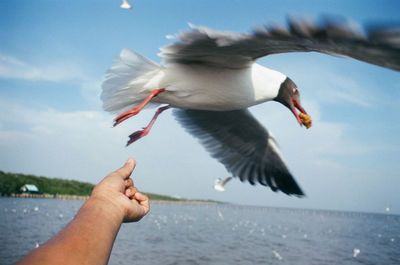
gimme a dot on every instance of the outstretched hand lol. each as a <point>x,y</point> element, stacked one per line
<point>89,237</point>
<point>117,191</point>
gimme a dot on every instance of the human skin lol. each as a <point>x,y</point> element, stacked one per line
<point>89,237</point>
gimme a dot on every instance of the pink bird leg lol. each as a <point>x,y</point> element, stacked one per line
<point>139,134</point>
<point>136,110</point>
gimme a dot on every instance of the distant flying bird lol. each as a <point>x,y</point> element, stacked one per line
<point>125,5</point>
<point>220,183</point>
<point>356,251</point>
<point>211,78</point>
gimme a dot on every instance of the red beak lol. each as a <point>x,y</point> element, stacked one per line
<point>300,108</point>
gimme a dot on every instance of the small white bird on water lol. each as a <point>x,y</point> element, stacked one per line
<point>211,78</point>
<point>220,184</point>
<point>356,251</point>
<point>277,255</point>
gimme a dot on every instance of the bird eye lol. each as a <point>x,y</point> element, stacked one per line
<point>294,90</point>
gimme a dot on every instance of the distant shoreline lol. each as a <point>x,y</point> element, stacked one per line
<point>83,198</point>
<point>183,202</point>
<point>49,196</point>
<point>11,185</point>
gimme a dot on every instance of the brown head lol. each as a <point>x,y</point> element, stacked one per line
<point>289,96</point>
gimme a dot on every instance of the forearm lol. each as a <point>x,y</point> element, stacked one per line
<point>87,239</point>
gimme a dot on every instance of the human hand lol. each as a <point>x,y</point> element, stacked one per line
<point>91,233</point>
<point>117,193</point>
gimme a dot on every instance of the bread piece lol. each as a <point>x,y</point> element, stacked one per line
<point>306,120</point>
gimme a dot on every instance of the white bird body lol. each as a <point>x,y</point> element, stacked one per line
<point>125,4</point>
<point>356,251</point>
<point>219,188</point>
<point>201,87</point>
<point>220,184</point>
<point>218,89</point>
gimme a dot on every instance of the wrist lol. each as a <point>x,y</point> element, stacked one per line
<point>104,208</point>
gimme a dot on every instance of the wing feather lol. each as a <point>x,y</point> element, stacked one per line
<point>201,45</point>
<point>242,145</point>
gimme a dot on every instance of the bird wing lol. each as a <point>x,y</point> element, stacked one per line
<point>201,45</point>
<point>226,180</point>
<point>242,145</point>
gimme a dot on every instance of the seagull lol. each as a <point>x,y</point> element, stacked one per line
<point>277,255</point>
<point>220,184</point>
<point>210,78</point>
<point>356,251</point>
<point>125,5</point>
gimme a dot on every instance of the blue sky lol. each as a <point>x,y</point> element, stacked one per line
<point>53,55</point>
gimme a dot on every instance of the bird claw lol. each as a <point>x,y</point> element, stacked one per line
<point>136,136</point>
<point>126,115</point>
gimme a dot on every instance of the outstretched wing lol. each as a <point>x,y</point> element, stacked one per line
<point>379,45</point>
<point>242,145</point>
<point>226,180</point>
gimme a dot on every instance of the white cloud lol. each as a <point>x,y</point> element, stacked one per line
<point>326,156</point>
<point>55,143</point>
<point>91,90</point>
<point>341,89</point>
<point>61,71</point>
<point>82,145</point>
<point>14,68</point>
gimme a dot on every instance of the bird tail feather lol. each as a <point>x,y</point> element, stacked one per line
<point>127,82</point>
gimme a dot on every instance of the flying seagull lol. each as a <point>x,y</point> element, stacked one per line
<point>125,5</point>
<point>210,78</point>
<point>220,184</point>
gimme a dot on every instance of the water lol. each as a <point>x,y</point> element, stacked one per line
<point>214,234</point>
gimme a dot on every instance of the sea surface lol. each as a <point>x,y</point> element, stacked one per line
<point>214,234</point>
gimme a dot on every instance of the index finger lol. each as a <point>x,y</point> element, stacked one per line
<point>143,201</point>
<point>126,170</point>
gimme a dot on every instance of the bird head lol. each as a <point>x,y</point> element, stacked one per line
<point>289,96</point>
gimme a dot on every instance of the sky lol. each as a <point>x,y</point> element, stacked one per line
<point>53,56</point>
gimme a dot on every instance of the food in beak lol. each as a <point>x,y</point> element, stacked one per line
<point>306,120</point>
<point>303,118</point>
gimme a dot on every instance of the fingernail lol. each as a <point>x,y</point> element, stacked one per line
<point>129,161</point>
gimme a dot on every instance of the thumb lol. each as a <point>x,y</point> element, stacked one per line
<point>126,170</point>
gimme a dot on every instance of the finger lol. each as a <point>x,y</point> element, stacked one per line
<point>130,192</point>
<point>128,183</point>
<point>143,201</point>
<point>125,171</point>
